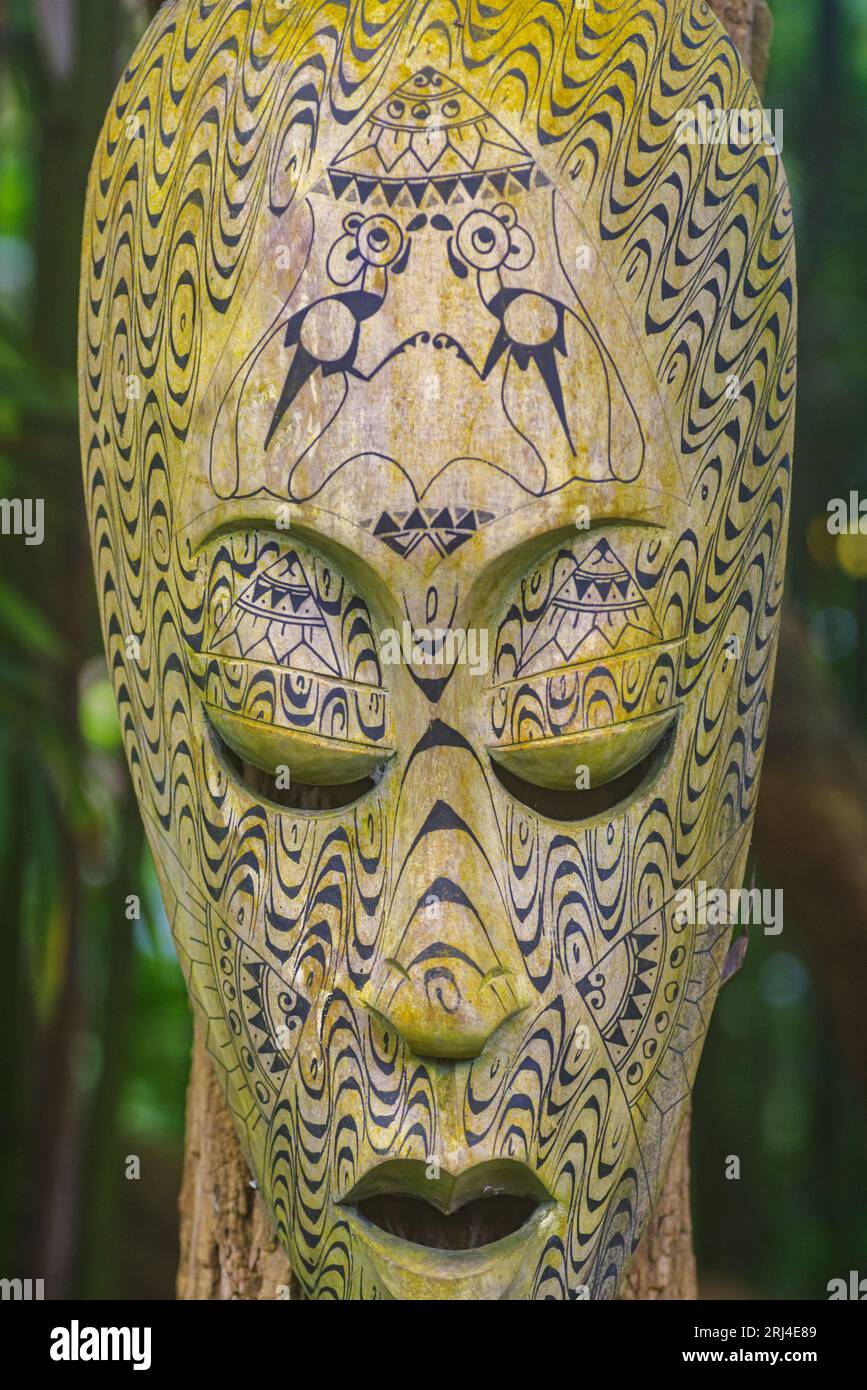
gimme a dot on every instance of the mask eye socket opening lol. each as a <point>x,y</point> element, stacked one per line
<point>575,805</point>
<point>304,798</point>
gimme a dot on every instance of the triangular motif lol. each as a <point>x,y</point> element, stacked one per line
<point>278,619</point>
<point>596,606</point>
<point>442,529</point>
<point>432,137</point>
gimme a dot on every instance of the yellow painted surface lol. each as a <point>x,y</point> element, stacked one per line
<point>436,419</point>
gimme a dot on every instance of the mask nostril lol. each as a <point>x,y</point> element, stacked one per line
<point>442,990</point>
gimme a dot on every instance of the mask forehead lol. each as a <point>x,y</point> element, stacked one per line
<point>433,260</point>
<point>436,427</point>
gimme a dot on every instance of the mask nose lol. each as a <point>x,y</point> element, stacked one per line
<point>449,973</point>
<point>447,990</point>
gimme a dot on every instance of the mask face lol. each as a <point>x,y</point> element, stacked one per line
<point>437,397</point>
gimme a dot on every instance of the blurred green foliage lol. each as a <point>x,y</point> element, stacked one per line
<point>96,1042</point>
<point>772,1087</point>
<point>95,1024</point>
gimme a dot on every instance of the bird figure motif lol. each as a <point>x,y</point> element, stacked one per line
<point>325,335</point>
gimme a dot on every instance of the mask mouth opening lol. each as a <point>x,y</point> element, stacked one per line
<point>479,1222</point>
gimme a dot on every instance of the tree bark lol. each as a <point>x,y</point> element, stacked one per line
<point>664,1264</point>
<point>750,25</point>
<point>228,1246</point>
<point>228,1249</point>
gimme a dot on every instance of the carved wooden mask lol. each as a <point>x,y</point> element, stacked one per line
<point>436,407</point>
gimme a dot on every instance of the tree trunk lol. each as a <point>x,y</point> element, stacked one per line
<point>228,1249</point>
<point>749,23</point>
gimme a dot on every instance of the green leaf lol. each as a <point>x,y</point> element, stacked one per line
<point>23,623</point>
<point>97,716</point>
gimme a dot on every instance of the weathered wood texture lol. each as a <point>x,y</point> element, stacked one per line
<point>664,1266</point>
<point>227,1246</point>
<point>749,23</point>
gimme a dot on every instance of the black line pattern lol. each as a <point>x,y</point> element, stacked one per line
<point>292,237</point>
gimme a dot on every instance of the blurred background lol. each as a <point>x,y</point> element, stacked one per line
<point>96,1031</point>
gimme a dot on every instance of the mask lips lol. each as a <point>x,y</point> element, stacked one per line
<point>483,1204</point>
<point>480,1222</point>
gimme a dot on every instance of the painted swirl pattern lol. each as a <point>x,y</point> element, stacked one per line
<point>436,412</point>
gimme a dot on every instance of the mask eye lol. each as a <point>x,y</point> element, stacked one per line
<point>319,779</point>
<point>619,764</point>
